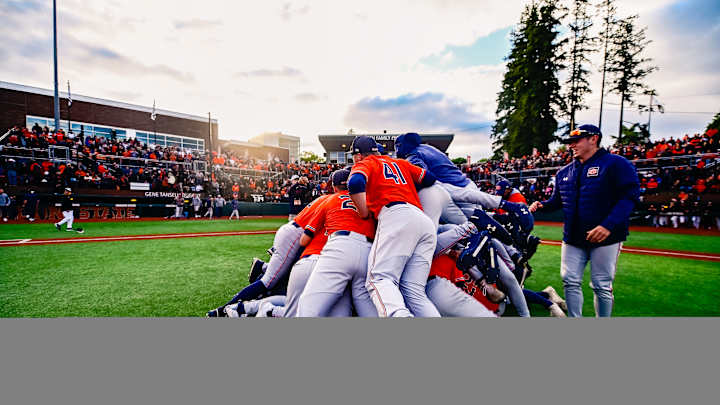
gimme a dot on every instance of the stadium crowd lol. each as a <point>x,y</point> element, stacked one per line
<point>674,193</point>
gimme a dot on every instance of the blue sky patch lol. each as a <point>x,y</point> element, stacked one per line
<point>487,50</point>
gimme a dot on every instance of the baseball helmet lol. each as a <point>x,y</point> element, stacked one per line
<point>583,131</point>
<point>363,144</point>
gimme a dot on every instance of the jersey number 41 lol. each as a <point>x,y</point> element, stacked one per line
<point>393,173</point>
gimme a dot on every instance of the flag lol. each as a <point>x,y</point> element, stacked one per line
<point>69,95</point>
<point>152,115</point>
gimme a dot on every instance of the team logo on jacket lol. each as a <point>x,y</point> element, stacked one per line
<point>593,171</point>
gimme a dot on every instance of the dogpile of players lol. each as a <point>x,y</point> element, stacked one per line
<point>401,237</point>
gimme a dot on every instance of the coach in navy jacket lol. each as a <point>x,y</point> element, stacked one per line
<point>597,192</point>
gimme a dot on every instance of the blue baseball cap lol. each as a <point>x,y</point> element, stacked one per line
<point>583,131</point>
<point>501,186</point>
<point>363,144</point>
<point>340,177</point>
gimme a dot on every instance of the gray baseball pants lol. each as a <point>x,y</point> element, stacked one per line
<point>286,244</point>
<point>342,263</point>
<point>299,276</point>
<point>603,264</point>
<point>454,302</point>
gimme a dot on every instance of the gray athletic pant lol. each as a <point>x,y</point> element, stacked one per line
<point>466,199</point>
<point>286,244</point>
<point>299,276</point>
<point>452,301</point>
<point>506,276</point>
<point>399,262</point>
<point>603,264</point>
<point>342,263</point>
<point>450,234</point>
<point>437,203</point>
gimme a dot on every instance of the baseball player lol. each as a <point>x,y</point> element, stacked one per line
<point>66,205</point>
<point>343,260</point>
<point>287,246</point>
<point>448,298</point>
<point>463,192</point>
<point>405,239</point>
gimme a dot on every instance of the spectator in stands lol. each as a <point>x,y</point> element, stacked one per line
<point>4,205</point>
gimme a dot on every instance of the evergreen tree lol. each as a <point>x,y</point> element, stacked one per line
<point>607,9</point>
<point>714,124</point>
<point>626,65</point>
<point>581,46</point>
<point>530,98</point>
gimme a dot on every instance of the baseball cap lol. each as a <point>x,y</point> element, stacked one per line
<point>68,189</point>
<point>582,131</point>
<point>363,144</point>
<point>501,186</point>
<point>295,177</point>
<point>340,177</point>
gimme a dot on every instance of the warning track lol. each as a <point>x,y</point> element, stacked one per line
<point>121,238</point>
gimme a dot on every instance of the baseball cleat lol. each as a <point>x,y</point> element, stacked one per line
<point>265,310</point>
<point>556,312</point>
<point>217,313</point>
<point>256,270</point>
<point>232,312</point>
<point>58,227</point>
<point>555,298</point>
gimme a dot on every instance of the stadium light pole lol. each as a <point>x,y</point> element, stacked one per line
<point>57,97</point>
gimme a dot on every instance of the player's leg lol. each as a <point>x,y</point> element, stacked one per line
<point>572,265</point>
<point>471,194</point>
<point>450,234</point>
<point>299,276</point>
<point>343,306</point>
<point>395,240</point>
<point>603,264</point>
<point>513,289</point>
<point>70,218</point>
<point>415,275</point>
<point>66,218</point>
<point>434,200</point>
<point>287,245</point>
<point>452,301</point>
<point>330,278</point>
<point>364,305</point>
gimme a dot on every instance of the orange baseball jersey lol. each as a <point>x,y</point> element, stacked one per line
<point>444,266</point>
<point>389,180</point>
<point>304,215</point>
<point>337,213</point>
<point>316,245</point>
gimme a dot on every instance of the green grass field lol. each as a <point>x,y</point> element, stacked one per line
<point>186,277</point>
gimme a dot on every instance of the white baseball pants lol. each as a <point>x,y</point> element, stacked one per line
<point>343,262</point>
<point>287,245</point>
<point>399,262</point>
<point>454,302</point>
<point>68,217</point>
<point>299,276</point>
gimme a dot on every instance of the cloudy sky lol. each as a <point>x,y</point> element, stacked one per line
<point>314,67</point>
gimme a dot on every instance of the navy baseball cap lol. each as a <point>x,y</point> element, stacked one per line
<point>583,131</point>
<point>340,177</point>
<point>363,144</point>
<point>501,186</point>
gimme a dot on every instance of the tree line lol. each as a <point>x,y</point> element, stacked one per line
<point>533,102</point>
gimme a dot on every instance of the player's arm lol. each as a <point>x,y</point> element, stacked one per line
<point>356,188</point>
<point>553,203</point>
<point>627,188</point>
<point>314,223</point>
<point>421,177</point>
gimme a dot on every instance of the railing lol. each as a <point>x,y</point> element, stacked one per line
<point>640,164</point>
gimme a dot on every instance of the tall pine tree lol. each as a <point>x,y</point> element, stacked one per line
<point>626,66</point>
<point>582,44</point>
<point>608,10</point>
<point>530,98</point>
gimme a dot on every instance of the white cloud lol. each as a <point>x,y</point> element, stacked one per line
<point>282,66</point>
